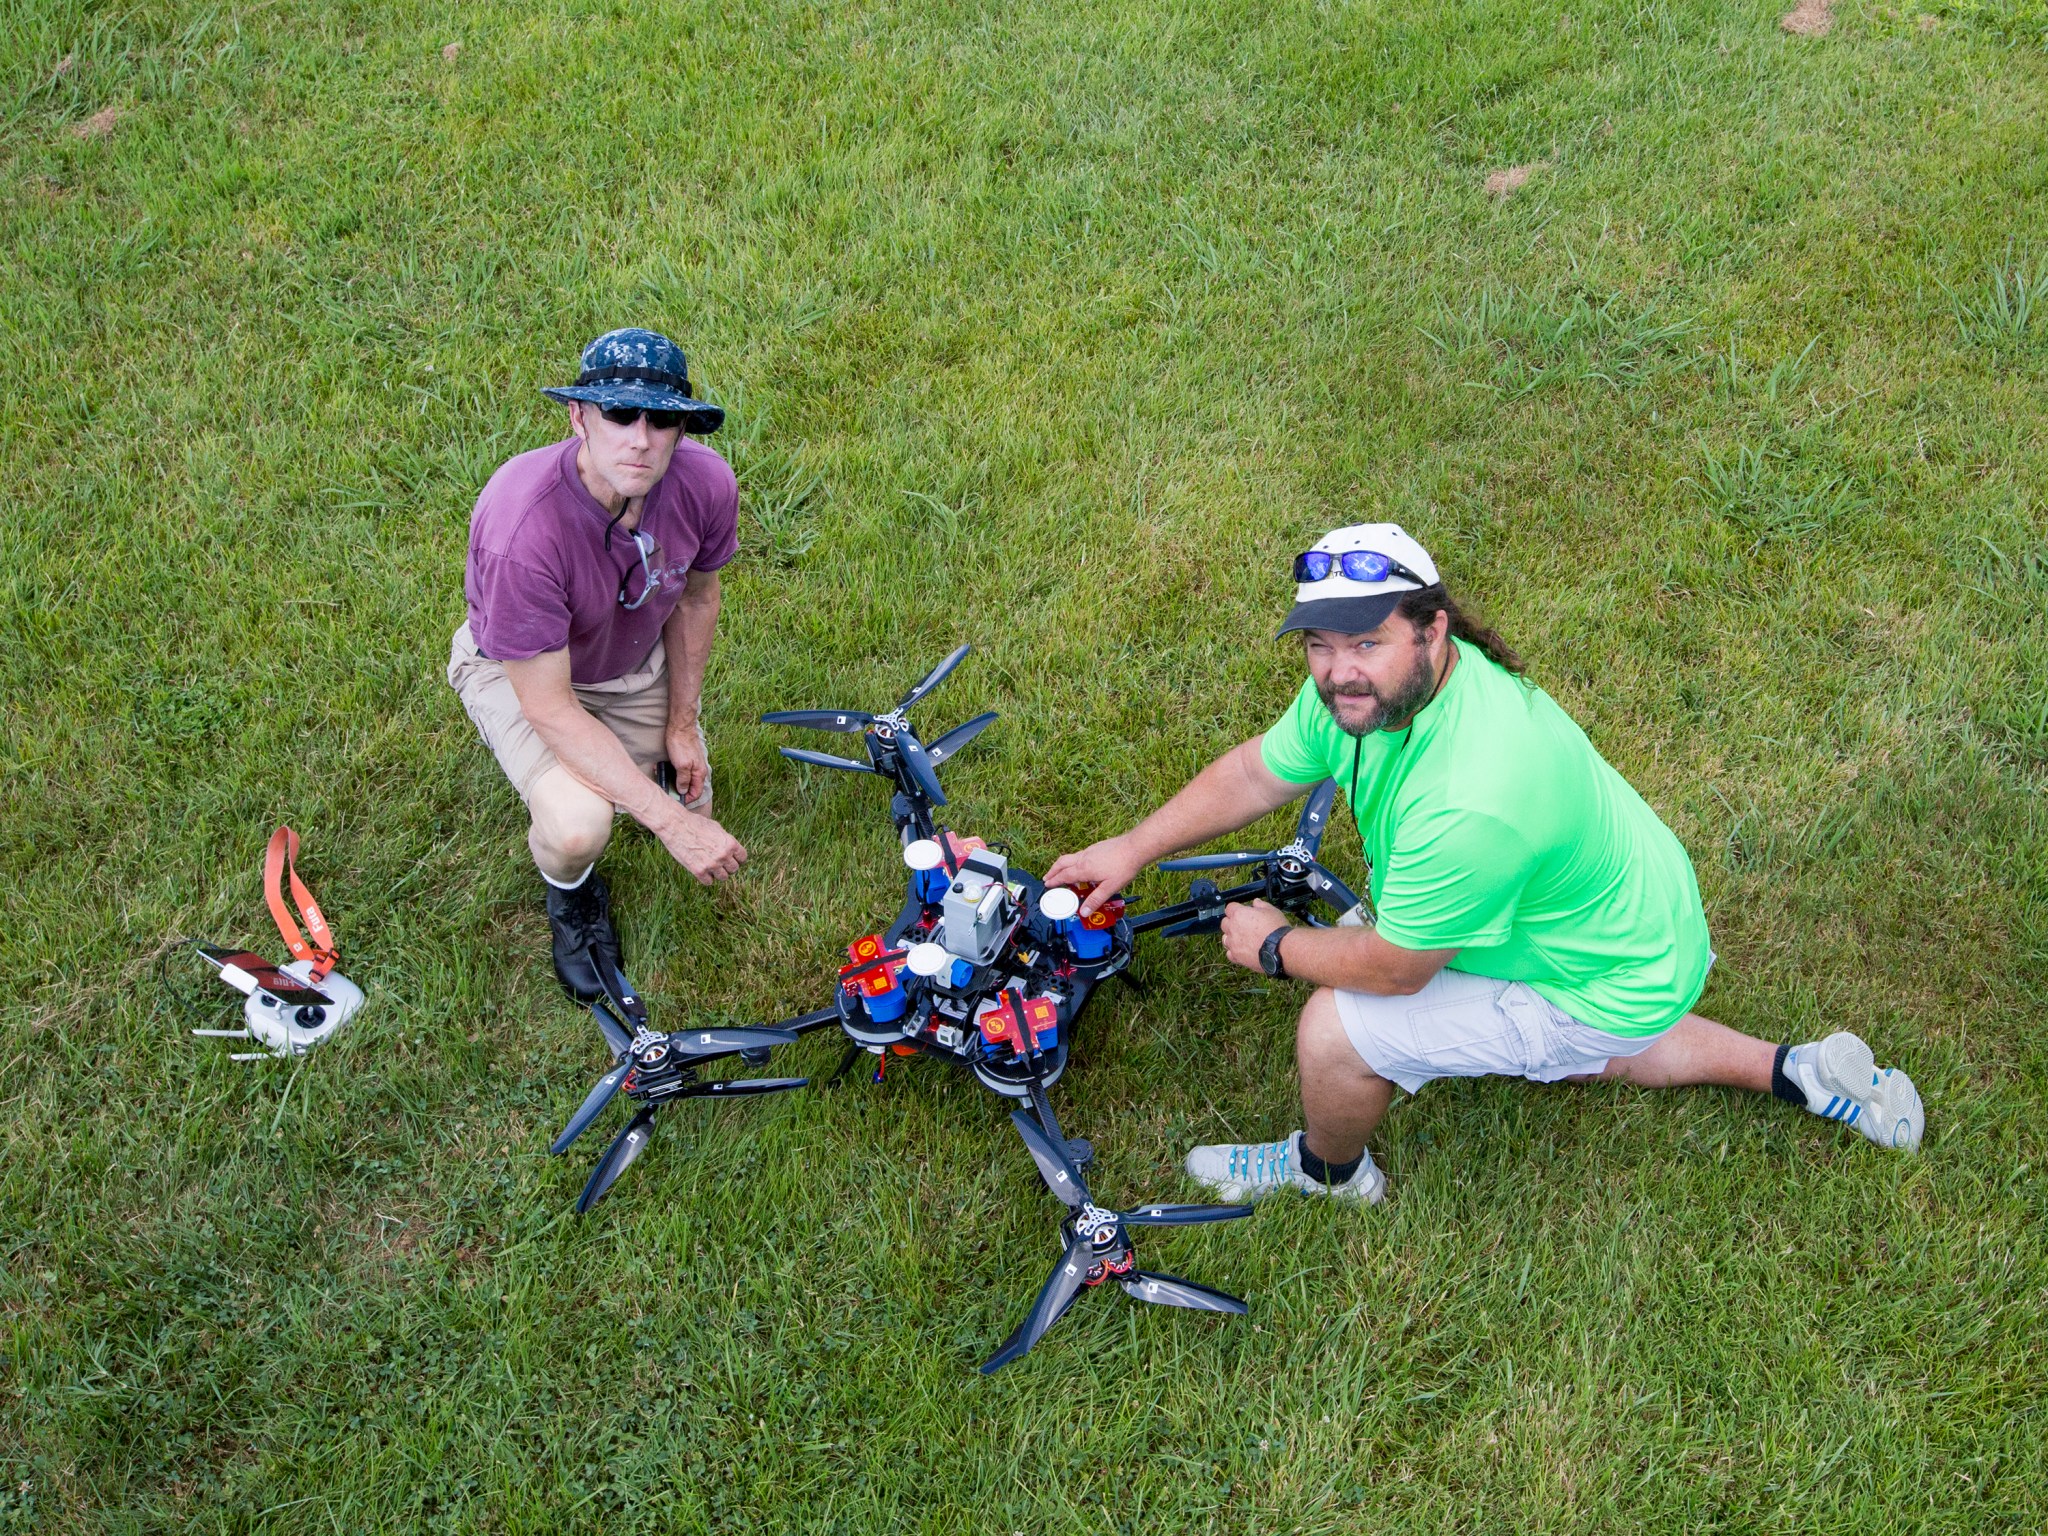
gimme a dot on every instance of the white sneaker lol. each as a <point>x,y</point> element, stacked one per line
<point>1842,1081</point>
<point>1240,1171</point>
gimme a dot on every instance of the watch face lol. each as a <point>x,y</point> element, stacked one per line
<point>1269,952</point>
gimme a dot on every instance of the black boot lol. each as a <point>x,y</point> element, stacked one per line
<point>584,936</point>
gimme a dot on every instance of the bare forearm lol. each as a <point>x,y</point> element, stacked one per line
<point>594,755</point>
<point>597,757</point>
<point>580,743</point>
<point>1232,792</point>
<point>1358,960</point>
<point>687,638</point>
<point>1353,959</point>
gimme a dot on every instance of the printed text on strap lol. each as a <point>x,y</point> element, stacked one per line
<point>280,860</point>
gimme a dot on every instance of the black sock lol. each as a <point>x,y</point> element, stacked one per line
<point>1782,1085</point>
<point>1330,1173</point>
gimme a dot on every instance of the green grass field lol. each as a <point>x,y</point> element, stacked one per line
<point>1056,329</point>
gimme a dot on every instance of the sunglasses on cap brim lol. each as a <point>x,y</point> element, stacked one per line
<point>1366,565</point>
<point>626,415</point>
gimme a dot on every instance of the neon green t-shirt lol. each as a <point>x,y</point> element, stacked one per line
<point>1495,829</point>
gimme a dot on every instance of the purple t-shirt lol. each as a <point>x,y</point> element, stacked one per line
<point>540,577</point>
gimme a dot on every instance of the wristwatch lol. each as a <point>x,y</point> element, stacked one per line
<point>1269,953</point>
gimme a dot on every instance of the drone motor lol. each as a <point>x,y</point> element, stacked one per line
<point>1090,938</point>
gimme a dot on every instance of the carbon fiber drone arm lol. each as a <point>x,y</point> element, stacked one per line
<point>809,1023</point>
<point>1200,909</point>
<point>817,1018</point>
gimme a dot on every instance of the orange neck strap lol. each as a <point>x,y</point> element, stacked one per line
<point>279,860</point>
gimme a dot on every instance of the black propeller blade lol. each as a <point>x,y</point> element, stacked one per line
<point>701,1044</point>
<point>847,720</point>
<point>1065,1283</point>
<point>1309,828</point>
<point>1061,1287</point>
<point>1060,1174</point>
<point>1331,889</point>
<point>1172,1291</point>
<point>592,1107</point>
<point>933,678</point>
<point>618,1157</point>
<point>1182,1215</point>
<point>1215,861</point>
<point>825,760</point>
<point>919,762</point>
<point>626,1003</point>
<point>918,777</point>
<point>735,1087</point>
<point>1315,816</point>
<point>1308,831</point>
<point>616,1035</point>
<point>959,736</point>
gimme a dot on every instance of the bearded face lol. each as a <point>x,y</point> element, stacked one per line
<point>1376,681</point>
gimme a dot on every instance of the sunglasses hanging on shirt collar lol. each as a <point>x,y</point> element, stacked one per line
<point>644,544</point>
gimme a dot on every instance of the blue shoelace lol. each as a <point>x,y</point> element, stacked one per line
<point>1264,1164</point>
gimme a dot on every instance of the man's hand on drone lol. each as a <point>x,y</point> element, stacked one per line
<point>701,845</point>
<point>1108,865</point>
<point>686,755</point>
<point>1246,925</point>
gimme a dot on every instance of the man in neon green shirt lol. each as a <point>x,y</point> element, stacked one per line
<point>1531,915</point>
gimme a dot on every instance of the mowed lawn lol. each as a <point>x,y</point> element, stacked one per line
<point>1056,329</point>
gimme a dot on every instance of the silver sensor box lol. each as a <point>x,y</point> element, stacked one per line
<point>972,920</point>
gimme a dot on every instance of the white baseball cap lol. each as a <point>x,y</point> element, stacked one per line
<point>1352,578</point>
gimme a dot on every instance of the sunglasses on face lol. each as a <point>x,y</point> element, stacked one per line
<point>1367,565</point>
<point>626,415</point>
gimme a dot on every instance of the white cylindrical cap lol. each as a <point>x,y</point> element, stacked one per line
<point>1058,904</point>
<point>923,854</point>
<point>927,960</point>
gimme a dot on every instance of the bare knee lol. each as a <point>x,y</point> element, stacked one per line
<point>1320,1042</point>
<point>572,824</point>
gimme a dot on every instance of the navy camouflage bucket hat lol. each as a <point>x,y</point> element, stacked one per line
<point>640,370</point>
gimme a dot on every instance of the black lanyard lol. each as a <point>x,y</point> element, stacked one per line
<point>1358,749</point>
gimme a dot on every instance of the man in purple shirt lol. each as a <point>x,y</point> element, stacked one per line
<point>593,595</point>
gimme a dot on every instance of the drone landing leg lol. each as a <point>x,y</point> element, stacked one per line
<point>845,1065</point>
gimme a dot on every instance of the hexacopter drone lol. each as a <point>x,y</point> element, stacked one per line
<point>988,968</point>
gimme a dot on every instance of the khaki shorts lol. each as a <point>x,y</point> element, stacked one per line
<point>1462,1025</point>
<point>633,708</point>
